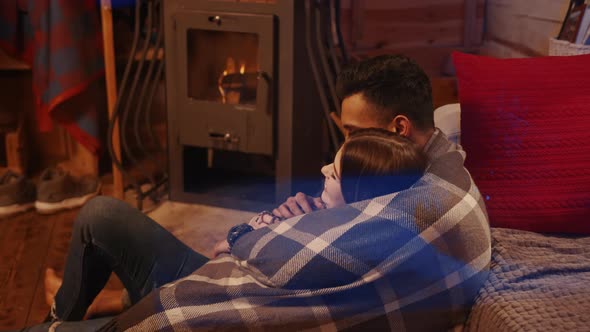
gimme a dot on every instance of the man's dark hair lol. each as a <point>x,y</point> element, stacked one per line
<point>395,84</point>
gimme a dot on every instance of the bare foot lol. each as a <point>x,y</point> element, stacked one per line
<point>108,302</point>
<point>52,284</point>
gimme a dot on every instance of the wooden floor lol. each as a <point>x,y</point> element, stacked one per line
<point>29,243</point>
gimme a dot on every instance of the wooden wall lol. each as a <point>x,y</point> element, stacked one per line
<point>426,30</point>
<point>521,28</point>
<point>395,24</point>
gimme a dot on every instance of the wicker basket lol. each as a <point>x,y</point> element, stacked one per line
<point>563,47</point>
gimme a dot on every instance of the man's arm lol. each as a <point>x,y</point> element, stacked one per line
<point>293,206</point>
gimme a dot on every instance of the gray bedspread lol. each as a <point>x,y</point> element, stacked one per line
<point>537,283</point>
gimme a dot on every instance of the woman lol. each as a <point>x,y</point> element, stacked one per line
<point>371,163</point>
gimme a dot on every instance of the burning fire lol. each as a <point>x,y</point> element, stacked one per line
<point>236,86</point>
<point>230,68</point>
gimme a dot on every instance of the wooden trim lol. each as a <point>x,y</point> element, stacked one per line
<point>470,24</point>
<point>517,47</point>
<point>9,63</point>
<point>357,22</point>
<point>15,144</point>
<point>111,87</point>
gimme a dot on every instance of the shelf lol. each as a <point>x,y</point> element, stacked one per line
<point>9,63</point>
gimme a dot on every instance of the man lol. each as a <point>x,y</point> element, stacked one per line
<point>413,260</point>
<point>389,92</point>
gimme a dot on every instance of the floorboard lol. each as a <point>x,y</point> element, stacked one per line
<point>23,250</point>
<point>56,250</point>
<point>29,243</point>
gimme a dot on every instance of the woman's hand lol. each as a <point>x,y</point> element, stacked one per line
<point>298,205</point>
<point>294,206</point>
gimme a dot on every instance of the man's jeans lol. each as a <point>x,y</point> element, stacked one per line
<point>111,236</point>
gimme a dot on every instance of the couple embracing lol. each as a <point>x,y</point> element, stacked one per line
<point>398,240</point>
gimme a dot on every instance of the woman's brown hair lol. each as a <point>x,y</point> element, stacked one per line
<point>377,162</point>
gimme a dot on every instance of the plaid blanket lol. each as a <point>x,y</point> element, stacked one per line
<point>412,260</point>
<point>62,41</point>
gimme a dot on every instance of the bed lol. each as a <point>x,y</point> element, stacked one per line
<point>537,281</point>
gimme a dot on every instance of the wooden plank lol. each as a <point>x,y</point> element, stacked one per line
<point>517,28</point>
<point>499,49</point>
<point>403,24</point>
<point>529,33</point>
<point>56,251</point>
<point>473,23</point>
<point>430,15</point>
<point>433,60</point>
<point>392,24</point>
<point>553,10</point>
<point>345,22</point>
<point>9,63</point>
<point>444,91</point>
<point>29,243</point>
<point>516,50</point>
<point>22,291</point>
<point>8,319</point>
<point>16,152</point>
<point>400,4</point>
<point>81,161</point>
<point>24,240</point>
<point>407,35</point>
<point>111,86</point>
<point>470,23</point>
<point>357,26</point>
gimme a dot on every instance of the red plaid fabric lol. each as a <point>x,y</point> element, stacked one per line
<point>62,41</point>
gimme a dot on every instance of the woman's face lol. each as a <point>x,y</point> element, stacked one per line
<point>332,194</point>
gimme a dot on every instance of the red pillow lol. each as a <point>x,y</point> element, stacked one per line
<point>525,125</point>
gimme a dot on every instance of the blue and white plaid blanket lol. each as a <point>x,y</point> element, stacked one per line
<point>412,260</point>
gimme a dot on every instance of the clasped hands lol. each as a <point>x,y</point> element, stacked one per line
<point>293,206</point>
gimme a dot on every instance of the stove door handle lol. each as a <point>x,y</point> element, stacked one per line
<point>215,19</point>
<point>225,137</point>
<point>267,93</point>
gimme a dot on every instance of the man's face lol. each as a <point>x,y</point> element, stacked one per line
<point>357,114</point>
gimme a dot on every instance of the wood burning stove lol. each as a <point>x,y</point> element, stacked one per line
<point>242,102</point>
<point>226,78</point>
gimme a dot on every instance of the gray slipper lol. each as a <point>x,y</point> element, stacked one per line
<point>17,194</point>
<point>58,190</point>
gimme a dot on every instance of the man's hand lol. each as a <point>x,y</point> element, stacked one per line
<point>297,205</point>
